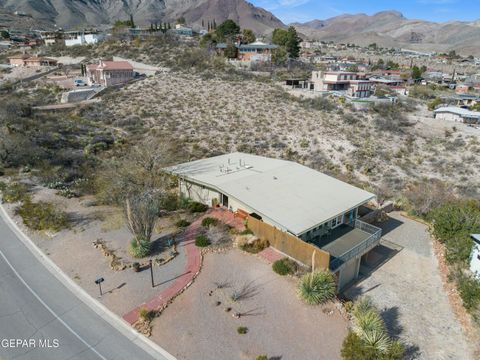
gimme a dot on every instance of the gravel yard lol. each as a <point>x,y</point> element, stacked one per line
<point>409,290</point>
<point>196,327</point>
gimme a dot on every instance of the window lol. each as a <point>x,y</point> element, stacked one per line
<point>336,222</point>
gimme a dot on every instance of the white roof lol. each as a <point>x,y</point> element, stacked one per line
<point>458,111</point>
<point>293,196</point>
<point>476,238</point>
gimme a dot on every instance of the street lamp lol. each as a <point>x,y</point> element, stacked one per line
<point>99,283</point>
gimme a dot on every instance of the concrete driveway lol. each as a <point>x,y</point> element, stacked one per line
<point>403,279</point>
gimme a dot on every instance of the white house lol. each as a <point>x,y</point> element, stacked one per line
<point>308,204</point>
<point>475,261</point>
<point>457,114</point>
<point>82,39</point>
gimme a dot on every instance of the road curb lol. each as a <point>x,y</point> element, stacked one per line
<point>101,310</point>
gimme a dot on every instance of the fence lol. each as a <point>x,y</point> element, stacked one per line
<point>289,244</point>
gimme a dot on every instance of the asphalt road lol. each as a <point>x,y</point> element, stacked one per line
<point>41,319</point>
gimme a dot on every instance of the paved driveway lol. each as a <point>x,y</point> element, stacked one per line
<point>408,288</point>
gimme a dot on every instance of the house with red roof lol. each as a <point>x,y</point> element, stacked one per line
<point>108,73</point>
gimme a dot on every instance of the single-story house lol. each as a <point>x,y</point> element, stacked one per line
<point>108,73</point>
<point>457,114</point>
<point>255,52</point>
<point>27,60</point>
<point>475,260</point>
<point>291,197</point>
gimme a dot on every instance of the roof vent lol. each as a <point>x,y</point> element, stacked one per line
<point>275,178</point>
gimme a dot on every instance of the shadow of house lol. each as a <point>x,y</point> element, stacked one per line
<point>388,225</point>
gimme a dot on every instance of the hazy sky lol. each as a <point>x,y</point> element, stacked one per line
<point>434,10</point>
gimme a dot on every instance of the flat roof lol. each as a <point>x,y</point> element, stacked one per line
<point>458,111</point>
<point>295,197</point>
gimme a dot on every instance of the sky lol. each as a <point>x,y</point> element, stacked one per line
<point>434,10</point>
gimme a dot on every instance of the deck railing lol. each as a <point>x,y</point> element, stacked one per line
<point>369,243</point>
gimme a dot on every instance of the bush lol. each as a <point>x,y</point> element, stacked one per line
<point>182,223</point>
<point>146,315</point>
<point>42,216</point>
<point>202,241</point>
<point>262,357</point>
<point>242,330</point>
<point>196,207</point>
<point>246,232</point>
<point>284,266</point>
<point>140,249</point>
<point>453,223</point>
<point>209,221</point>
<point>14,192</point>
<point>256,246</point>
<point>318,287</point>
<point>469,289</point>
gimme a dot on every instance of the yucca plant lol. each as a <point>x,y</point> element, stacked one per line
<point>377,340</point>
<point>317,287</point>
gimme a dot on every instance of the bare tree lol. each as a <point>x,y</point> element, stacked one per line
<point>141,212</point>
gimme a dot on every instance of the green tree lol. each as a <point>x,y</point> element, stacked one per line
<point>230,51</point>
<point>280,37</point>
<point>293,43</point>
<point>279,56</point>
<point>248,36</point>
<point>416,72</point>
<point>227,30</point>
<point>181,21</point>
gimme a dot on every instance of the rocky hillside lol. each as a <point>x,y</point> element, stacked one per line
<point>74,13</point>
<point>392,29</point>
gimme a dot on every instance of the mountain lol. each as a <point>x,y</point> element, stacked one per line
<point>80,13</point>
<point>392,29</point>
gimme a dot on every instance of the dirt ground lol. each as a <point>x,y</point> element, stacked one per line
<point>408,289</point>
<point>279,324</point>
<point>73,251</point>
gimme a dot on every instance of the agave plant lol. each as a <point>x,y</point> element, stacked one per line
<point>368,321</point>
<point>377,340</point>
<point>317,287</point>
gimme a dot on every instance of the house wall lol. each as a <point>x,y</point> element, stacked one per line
<point>448,117</point>
<point>198,193</point>
<point>115,77</point>
<point>475,260</point>
<point>17,62</point>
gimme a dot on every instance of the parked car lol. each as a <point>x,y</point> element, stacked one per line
<point>80,82</point>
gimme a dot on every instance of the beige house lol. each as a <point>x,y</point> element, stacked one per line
<point>108,73</point>
<point>457,114</point>
<point>350,83</point>
<point>31,61</point>
<point>310,207</point>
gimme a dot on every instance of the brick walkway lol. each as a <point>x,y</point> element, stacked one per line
<point>192,266</point>
<point>271,255</point>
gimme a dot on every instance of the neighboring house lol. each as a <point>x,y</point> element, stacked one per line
<point>81,38</point>
<point>457,114</point>
<point>107,73</point>
<point>183,30</point>
<point>309,205</point>
<point>394,84</point>
<point>350,83</point>
<point>31,61</point>
<point>475,261</point>
<point>462,89</point>
<point>253,52</point>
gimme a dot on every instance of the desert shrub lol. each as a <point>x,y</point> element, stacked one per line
<point>318,103</point>
<point>202,241</point>
<point>262,357</point>
<point>255,246</point>
<point>209,221</point>
<point>432,105</point>
<point>452,224</point>
<point>369,339</point>
<point>284,266</point>
<point>14,192</point>
<point>390,117</point>
<point>425,196</point>
<point>469,289</point>
<point>146,315</point>
<point>246,232</point>
<point>422,92</point>
<point>42,216</point>
<point>242,330</point>
<point>140,249</point>
<point>196,207</point>
<point>354,348</point>
<point>3,185</point>
<point>182,223</point>
<point>317,287</point>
